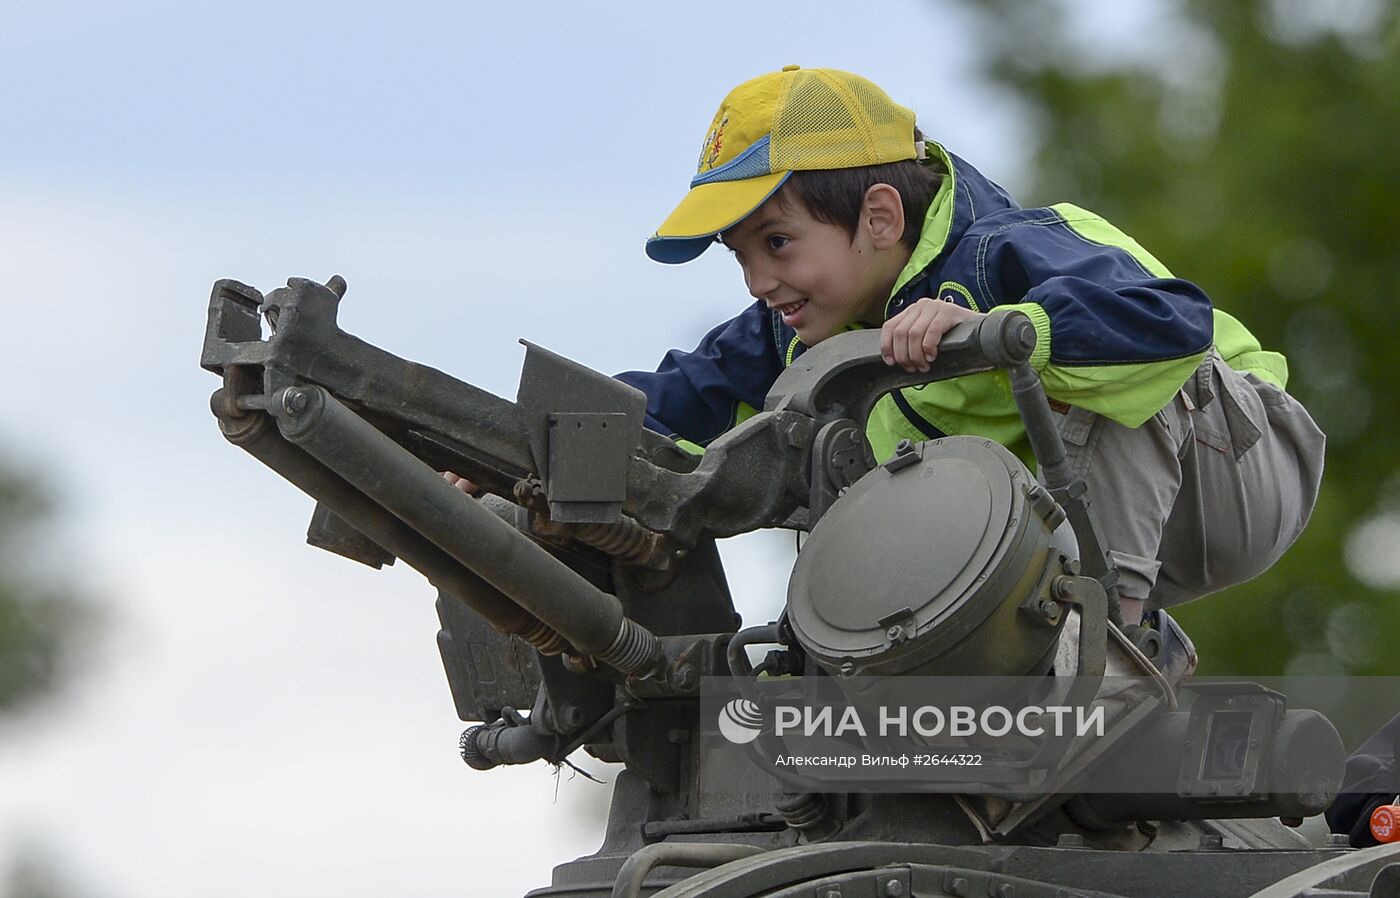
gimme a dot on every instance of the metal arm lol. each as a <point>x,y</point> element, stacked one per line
<point>537,581</point>
<point>844,376</point>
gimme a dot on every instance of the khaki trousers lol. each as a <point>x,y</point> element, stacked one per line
<point>1206,494</point>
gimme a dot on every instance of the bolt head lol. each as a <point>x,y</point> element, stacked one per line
<point>294,401</point>
<point>687,677</point>
<point>894,888</point>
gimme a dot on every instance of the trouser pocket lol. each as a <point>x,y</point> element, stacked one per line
<point>1227,415</point>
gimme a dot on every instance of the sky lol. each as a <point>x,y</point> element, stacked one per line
<point>259,716</point>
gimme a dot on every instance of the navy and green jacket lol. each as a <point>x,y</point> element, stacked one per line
<point>1117,333</point>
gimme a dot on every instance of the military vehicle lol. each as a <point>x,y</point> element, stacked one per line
<point>583,605</point>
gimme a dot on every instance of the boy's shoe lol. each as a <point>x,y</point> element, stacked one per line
<point>1176,659</point>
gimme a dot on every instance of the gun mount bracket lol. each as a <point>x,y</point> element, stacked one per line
<point>587,466</point>
<point>582,427</point>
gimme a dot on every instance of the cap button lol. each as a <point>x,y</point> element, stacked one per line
<point>791,68</point>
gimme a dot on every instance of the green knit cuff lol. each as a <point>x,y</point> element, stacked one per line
<point>1040,356</point>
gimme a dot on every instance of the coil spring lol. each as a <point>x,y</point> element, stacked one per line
<point>471,752</point>
<point>625,539</point>
<point>633,650</point>
<point>544,638</point>
<point>803,810</point>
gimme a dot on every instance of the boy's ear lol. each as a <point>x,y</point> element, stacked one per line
<point>882,213</point>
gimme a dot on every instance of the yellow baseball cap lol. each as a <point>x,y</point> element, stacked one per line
<point>767,128</point>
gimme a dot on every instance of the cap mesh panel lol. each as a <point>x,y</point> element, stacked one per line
<point>829,122</point>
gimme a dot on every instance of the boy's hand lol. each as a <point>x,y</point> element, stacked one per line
<point>462,483</point>
<point>910,339</point>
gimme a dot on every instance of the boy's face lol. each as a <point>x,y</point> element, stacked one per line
<point>814,273</point>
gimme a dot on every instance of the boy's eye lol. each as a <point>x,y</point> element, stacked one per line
<point>777,241</point>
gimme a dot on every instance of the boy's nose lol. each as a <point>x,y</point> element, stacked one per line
<point>760,284</point>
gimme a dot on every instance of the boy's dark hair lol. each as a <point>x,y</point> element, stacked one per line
<point>835,195</point>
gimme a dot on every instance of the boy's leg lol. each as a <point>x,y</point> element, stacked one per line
<point>1133,476</point>
<point>1207,493</point>
<point>1251,477</point>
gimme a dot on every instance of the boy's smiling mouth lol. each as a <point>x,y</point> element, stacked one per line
<point>791,309</point>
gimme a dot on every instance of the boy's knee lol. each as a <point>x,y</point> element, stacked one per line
<point>1137,574</point>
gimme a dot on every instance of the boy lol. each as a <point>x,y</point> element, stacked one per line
<point>1202,470</point>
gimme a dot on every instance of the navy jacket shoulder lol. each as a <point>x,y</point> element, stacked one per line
<point>697,395</point>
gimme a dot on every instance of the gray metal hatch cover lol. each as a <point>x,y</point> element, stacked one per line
<point>910,547</point>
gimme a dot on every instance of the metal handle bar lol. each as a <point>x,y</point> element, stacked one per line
<point>843,377</point>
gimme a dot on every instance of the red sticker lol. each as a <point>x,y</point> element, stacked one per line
<point>1383,823</point>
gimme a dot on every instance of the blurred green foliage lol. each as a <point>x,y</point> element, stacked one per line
<point>1254,153</point>
<point>42,620</point>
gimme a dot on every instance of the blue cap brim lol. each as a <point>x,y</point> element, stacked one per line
<point>675,250</point>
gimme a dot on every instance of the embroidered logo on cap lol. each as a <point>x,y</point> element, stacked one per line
<point>714,141</point>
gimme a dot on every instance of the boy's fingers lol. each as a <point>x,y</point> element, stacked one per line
<point>890,335</point>
<point>910,339</point>
<point>461,483</point>
<point>923,339</point>
<point>903,325</point>
<point>914,345</point>
<point>894,338</point>
<point>932,336</point>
